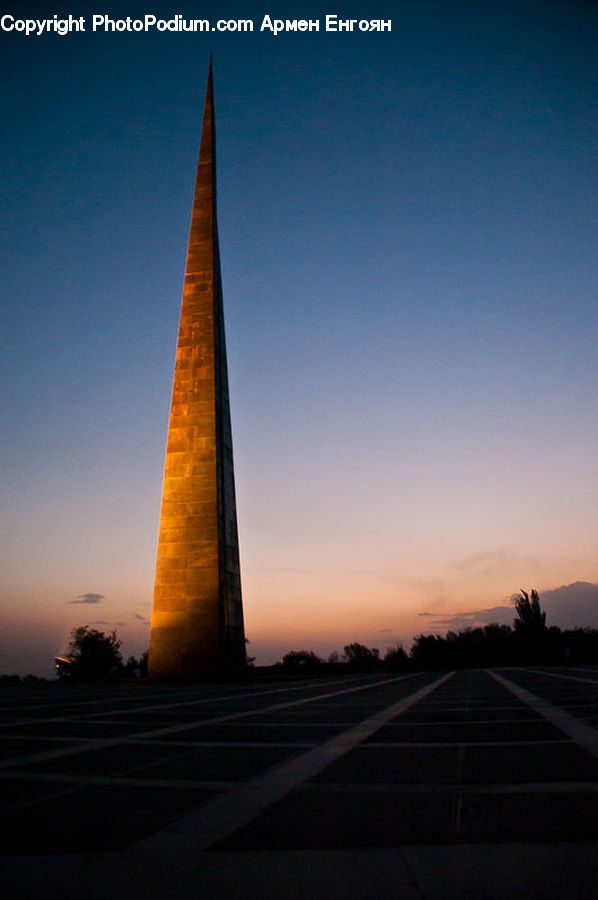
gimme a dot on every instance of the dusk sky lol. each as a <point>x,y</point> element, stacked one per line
<point>407,231</point>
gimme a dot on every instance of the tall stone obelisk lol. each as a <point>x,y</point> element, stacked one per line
<point>197,619</point>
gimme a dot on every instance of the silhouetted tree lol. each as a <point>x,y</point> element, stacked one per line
<point>395,659</point>
<point>580,645</point>
<point>431,651</point>
<point>301,659</point>
<point>529,617</point>
<point>360,658</point>
<point>531,635</point>
<point>529,642</point>
<point>94,654</point>
<point>497,645</point>
<point>136,668</point>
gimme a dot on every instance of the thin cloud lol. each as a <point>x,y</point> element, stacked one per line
<point>503,615</point>
<point>488,561</point>
<point>570,606</point>
<point>88,598</point>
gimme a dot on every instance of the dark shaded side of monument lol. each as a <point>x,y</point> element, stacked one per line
<point>197,619</point>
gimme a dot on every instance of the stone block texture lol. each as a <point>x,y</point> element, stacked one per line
<point>197,619</point>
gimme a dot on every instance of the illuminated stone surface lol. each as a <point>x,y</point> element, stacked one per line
<point>197,619</point>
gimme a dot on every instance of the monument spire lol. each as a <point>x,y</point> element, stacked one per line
<point>197,618</point>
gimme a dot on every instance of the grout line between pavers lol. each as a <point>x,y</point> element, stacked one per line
<point>124,708</point>
<point>584,735</point>
<point>518,787</point>
<point>332,787</point>
<point>217,819</point>
<point>102,743</point>
<point>560,675</point>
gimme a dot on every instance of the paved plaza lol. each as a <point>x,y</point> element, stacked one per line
<point>473,784</point>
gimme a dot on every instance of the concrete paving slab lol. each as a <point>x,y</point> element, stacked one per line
<point>337,820</point>
<point>360,814</point>
<point>511,871</point>
<point>535,762</point>
<point>442,714</point>
<point>73,820</point>
<point>72,729</point>
<point>266,731</point>
<point>219,763</point>
<point>508,871</point>
<point>528,816</point>
<point>467,732</point>
<point>395,765</point>
<point>16,746</point>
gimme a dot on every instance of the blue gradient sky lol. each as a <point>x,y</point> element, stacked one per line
<point>409,280</point>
